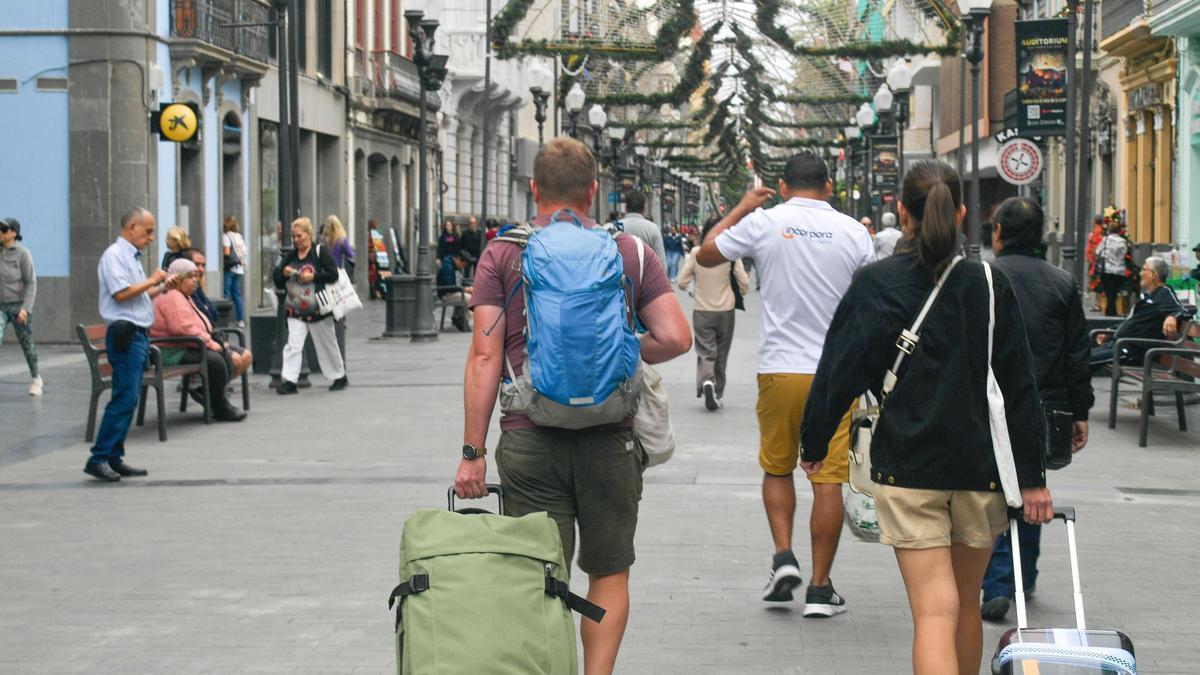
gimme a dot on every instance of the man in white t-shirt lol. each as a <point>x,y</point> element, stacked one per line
<point>806,253</point>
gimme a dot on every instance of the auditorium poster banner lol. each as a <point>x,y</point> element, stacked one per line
<point>1042,77</point>
<point>885,166</point>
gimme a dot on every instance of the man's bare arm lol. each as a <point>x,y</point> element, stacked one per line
<point>670,335</point>
<point>484,364</point>
<point>709,255</point>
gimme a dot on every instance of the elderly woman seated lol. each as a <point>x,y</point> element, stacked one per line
<point>176,315</point>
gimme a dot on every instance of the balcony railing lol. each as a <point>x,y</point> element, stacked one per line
<point>208,21</point>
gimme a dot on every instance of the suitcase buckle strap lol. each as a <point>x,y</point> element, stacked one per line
<point>417,584</point>
<point>556,588</point>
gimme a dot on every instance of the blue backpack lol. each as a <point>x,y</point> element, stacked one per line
<point>583,365</point>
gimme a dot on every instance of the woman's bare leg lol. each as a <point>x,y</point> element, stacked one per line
<point>933,596</point>
<point>970,565</point>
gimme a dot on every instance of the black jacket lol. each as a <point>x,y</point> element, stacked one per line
<point>1053,312</point>
<point>325,271</point>
<point>1146,319</point>
<point>934,431</point>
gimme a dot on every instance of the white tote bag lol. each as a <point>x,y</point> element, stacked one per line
<point>997,419</point>
<point>338,298</point>
<point>652,423</point>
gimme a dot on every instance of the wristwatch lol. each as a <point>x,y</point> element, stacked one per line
<point>472,452</point>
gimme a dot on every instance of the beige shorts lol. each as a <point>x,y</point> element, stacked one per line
<point>912,519</point>
<point>781,399</point>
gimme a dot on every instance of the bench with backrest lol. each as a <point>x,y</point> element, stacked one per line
<point>156,376</point>
<point>457,297</point>
<point>1168,366</point>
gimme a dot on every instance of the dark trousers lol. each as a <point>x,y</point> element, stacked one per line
<point>218,376</point>
<point>127,370</point>
<point>999,580</point>
<point>1111,283</point>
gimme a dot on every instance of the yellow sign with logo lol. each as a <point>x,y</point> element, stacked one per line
<point>178,122</point>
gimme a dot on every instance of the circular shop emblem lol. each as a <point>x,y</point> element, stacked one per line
<point>1020,161</point>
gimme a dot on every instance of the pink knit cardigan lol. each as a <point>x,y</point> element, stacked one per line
<point>175,315</point>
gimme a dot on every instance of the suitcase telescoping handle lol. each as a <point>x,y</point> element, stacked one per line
<point>492,488</point>
<point>1067,515</point>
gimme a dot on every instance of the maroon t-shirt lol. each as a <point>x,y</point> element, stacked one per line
<point>499,271</point>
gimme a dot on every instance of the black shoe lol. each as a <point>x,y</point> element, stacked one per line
<point>785,576</point>
<point>230,414</point>
<point>823,601</point>
<point>710,396</point>
<point>126,470</point>
<point>340,384</point>
<point>101,471</point>
<point>286,387</point>
<point>995,609</point>
<point>197,395</point>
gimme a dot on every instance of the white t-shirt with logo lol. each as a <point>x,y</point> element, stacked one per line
<point>806,254</point>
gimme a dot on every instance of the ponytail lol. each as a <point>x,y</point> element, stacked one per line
<point>932,195</point>
<point>938,237</point>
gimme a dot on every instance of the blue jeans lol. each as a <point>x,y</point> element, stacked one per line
<point>128,368</point>
<point>673,258</point>
<point>233,293</point>
<point>999,580</point>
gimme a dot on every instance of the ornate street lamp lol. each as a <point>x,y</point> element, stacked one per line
<point>974,14</point>
<point>574,102</point>
<point>900,78</point>
<point>597,118</point>
<point>541,83</point>
<point>410,310</point>
<point>866,120</point>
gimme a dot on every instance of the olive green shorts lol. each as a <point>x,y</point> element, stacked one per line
<point>593,479</point>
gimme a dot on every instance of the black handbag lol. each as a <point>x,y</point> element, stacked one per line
<point>1059,432</point>
<point>739,301</point>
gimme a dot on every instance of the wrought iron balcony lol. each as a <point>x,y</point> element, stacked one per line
<point>204,23</point>
<point>386,76</point>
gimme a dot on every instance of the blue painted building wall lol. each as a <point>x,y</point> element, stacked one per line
<point>34,150</point>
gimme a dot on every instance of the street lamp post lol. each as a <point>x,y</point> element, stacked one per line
<point>978,11</point>
<point>851,135</point>
<point>541,83</point>
<point>574,102</point>
<point>865,117</point>
<point>597,118</point>
<point>900,80</point>
<point>431,68</point>
<point>616,134</point>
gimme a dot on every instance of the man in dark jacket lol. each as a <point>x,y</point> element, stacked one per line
<point>1155,314</point>
<point>1053,311</point>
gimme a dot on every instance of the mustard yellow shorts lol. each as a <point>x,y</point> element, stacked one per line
<point>781,399</point>
<point>910,518</point>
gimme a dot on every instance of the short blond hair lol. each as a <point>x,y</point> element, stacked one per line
<point>179,236</point>
<point>231,224</point>
<point>304,224</point>
<point>564,171</point>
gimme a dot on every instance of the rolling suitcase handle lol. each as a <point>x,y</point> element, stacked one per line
<point>492,488</point>
<point>1067,515</point>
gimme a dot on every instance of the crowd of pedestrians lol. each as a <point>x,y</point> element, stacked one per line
<point>847,311</point>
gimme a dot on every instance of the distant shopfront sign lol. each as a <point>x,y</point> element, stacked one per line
<point>1042,77</point>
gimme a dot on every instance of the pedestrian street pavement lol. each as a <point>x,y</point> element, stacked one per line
<point>270,546</point>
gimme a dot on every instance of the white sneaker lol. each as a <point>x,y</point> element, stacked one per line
<point>241,324</point>
<point>35,386</point>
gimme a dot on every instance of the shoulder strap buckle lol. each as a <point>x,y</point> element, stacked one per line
<point>907,342</point>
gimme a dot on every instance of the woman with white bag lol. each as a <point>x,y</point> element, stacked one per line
<point>303,274</point>
<point>941,342</point>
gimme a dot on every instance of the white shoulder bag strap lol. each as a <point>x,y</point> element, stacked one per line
<point>907,342</point>
<point>997,418</point>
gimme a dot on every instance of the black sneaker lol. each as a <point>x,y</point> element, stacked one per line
<point>339,384</point>
<point>710,396</point>
<point>286,387</point>
<point>995,610</point>
<point>785,577</point>
<point>823,601</point>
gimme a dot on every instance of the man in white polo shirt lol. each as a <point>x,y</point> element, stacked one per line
<point>806,254</point>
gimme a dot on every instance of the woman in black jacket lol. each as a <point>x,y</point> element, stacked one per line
<point>304,273</point>
<point>938,497</point>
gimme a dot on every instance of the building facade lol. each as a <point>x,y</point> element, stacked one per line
<point>1181,21</point>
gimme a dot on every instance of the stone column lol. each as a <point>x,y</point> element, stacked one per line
<point>477,170</point>
<point>462,202</point>
<point>450,162</point>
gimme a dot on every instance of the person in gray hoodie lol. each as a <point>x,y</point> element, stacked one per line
<point>18,289</point>
<point>639,226</point>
